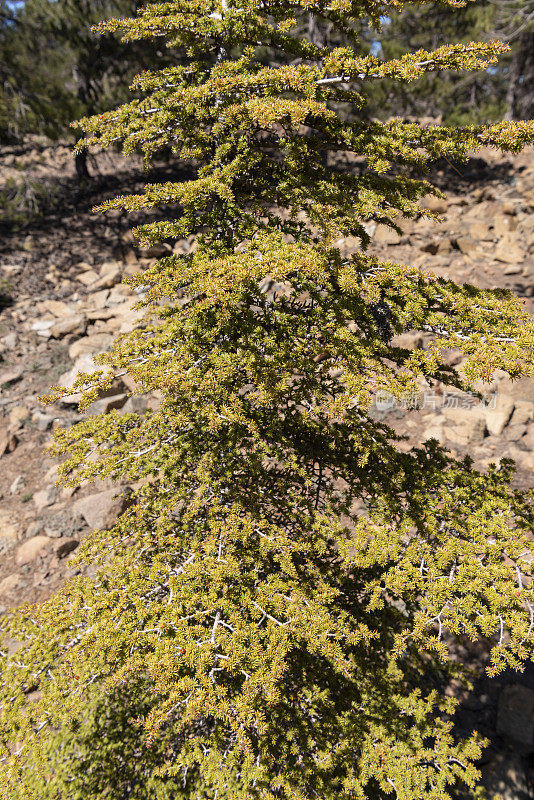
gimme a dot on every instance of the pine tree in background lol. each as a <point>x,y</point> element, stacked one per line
<point>456,96</point>
<point>55,68</point>
<point>461,97</point>
<point>514,22</point>
<point>275,615</point>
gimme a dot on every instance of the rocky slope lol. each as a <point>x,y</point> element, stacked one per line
<point>63,274</point>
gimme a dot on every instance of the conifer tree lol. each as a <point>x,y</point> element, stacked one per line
<point>454,96</point>
<point>85,73</point>
<point>83,70</point>
<point>515,24</point>
<point>507,89</point>
<point>275,615</point>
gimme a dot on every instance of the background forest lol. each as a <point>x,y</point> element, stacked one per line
<point>53,69</point>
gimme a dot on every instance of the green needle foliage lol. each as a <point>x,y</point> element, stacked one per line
<point>275,615</point>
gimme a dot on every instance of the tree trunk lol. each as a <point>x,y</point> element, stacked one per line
<point>84,96</point>
<point>511,89</point>
<point>525,95</point>
<point>80,163</point>
<point>520,93</point>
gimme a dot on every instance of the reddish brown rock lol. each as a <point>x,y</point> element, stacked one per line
<point>437,204</point>
<point>31,549</point>
<point>10,376</point>
<point>76,323</point>
<point>66,546</point>
<point>101,510</point>
<point>45,497</point>
<point>465,244</point>
<point>8,441</point>
<point>11,582</point>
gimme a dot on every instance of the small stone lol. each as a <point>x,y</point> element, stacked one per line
<point>503,225</point>
<point>8,441</point>
<point>42,421</point>
<point>31,549</point>
<point>525,459</point>
<point>42,327</point>
<point>98,299</point>
<point>57,308</point>
<point>130,257</point>
<point>154,402</point>
<point>408,341</point>
<point>497,418</point>
<point>508,251</point>
<point>130,321</point>
<point>437,204</point>
<point>347,246</point>
<point>479,231</point>
<point>444,247</point>
<point>34,529</point>
<point>17,484</point>
<point>106,404</point>
<point>67,524</point>
<point>88,277</point>
<point>101,510</point>
<point>513,269</point>
<point>122,290</point>
<point>18,415</point>
<point>107,280</point>
<point>10,376</point>
<point>101,314</point>
<point>11,582</point>
<point>514,432</point>
<point>385,235</point>
<point>132,267</point>
<point>76,324</point>
<point>66,546</point>
<point>52,532</point>
<point>52,473</point>
<point>465,244</point>
<point>466,425</point>
<point>452,357</point>
<point>523,412</point>
<point>434,431</point>
<point>45,497</point>
<point>9,531</point>
<point>109,266</point>
<point>89,345</point>
<point>138,404</point>
<point>9,342</point>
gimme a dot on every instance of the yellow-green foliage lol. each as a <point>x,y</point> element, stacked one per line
<point>273,617</point>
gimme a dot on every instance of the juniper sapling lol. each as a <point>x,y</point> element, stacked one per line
<point>275,615</point>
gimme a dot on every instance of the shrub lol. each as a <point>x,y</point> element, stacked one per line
<point>24,199</point>
<point>275,615</point>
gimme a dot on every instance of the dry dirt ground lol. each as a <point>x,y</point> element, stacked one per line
<point>62,301</point>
